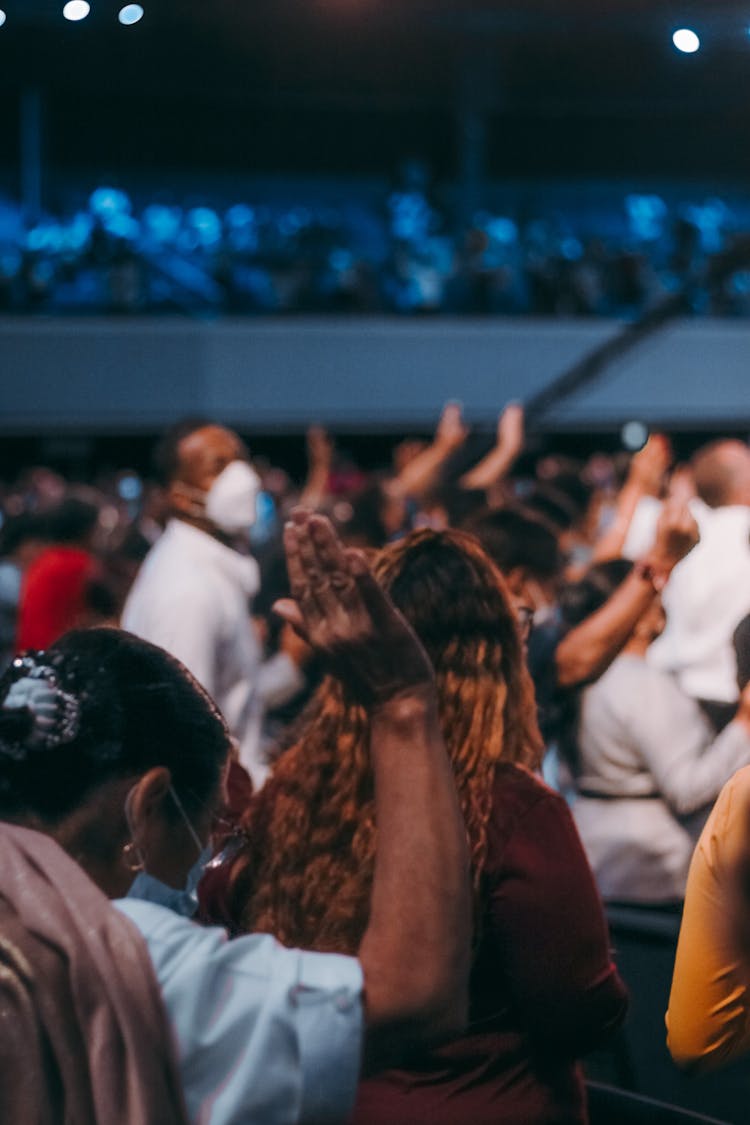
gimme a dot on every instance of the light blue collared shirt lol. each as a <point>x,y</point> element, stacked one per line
<point>264,1035</point>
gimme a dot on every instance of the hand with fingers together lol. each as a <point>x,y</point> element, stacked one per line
<point>342,613</point>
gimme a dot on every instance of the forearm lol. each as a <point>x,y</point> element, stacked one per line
<point>588,649</point>
<point>279,680</point>
<point>315,490</point>
<point>491,469</point>
<point>420,473</point>
<point>415,952</point>
<point>691,779</point>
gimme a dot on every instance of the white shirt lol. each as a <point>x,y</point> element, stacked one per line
<point>707,596</point>
<point>264,1035</point>
<point>642,740</point>
<point>192,597</point>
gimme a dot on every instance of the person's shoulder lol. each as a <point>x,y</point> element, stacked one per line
<point>518,791</point>
<point>174,942</point>
<point>522,804</point>
<point>630,690</point>
<point>723,523</point>
<point>626,675</point>
<point>171,574</point>
<point>723,841</point>
<point>167,930</point>
<point>153,919</point>
<point>181,949</point>
<point>61,559</point>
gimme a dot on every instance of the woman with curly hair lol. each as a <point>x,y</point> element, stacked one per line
<point>543,989</point>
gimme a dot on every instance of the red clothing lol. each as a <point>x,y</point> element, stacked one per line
<point>543,989</point>
<point>53,596</point>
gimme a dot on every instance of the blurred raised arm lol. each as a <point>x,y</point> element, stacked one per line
<point>503,455</point>
<point>648,468</point>
<point>320,450</point>
<point>421,472</point>
<point>588,649</point>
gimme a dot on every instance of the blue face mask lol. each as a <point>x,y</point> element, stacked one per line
<point>181,901</point>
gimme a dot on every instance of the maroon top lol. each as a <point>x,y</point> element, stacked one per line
<point>543,991</point>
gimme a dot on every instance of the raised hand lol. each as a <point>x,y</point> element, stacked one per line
<point>339,609</point>
<point>451,430</point>
<point>320,446</point>
<point>649,465</point>
<point>676,532</point>
<point>510,429</point>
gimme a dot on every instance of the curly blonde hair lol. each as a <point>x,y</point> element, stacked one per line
<point>305,872</point>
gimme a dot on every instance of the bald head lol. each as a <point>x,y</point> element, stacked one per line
<point>202,454</point>
<point>721,472</point>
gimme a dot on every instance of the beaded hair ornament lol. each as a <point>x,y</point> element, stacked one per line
<point>55,713</point>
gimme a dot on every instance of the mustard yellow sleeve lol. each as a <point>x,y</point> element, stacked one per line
<point>708,1020</point>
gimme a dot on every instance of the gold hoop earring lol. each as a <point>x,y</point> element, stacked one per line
<point>132,857</point>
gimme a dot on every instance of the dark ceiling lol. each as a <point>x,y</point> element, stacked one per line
<point>566,87</point>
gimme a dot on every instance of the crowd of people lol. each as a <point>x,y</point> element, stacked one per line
<point>362,759</point>
<point>401,253</point>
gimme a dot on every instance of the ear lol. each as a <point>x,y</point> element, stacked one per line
<point>146,802</point>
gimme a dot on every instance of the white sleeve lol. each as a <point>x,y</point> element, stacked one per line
<point>279,680</point>
<point>676,743</point>
<point>264,1034</point>
<point>642,529</point>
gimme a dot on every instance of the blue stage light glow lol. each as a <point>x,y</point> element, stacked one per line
<point>130,14</point>
<point>162,222</point>
<point>108,201</point>
<point>3,17</point>
<point>122,225</point>
<point>242,229</point>
<point>76,10</point>
<point>47,237</point>
<point>240,215</point>
<point>571,248</point>
<point>206,223</point>
<point>501,229</point>
<point>686,41</point>
<point>646,215</point>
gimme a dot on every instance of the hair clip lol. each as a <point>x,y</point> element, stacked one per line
<point>55,713</point>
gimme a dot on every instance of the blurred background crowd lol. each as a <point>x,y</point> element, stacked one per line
<point>361,248</point>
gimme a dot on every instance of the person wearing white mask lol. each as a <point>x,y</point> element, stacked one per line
<point>193,593</point>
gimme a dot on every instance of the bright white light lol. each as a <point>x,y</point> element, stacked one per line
<point>76,10</point>
<point>634,435</point>
<point>686,41</point>
<point>2,17</point>
<point>130,14</point>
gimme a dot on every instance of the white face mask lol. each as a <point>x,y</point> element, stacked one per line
<point>230,503</point>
